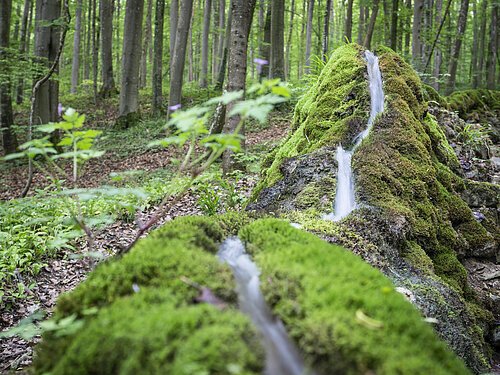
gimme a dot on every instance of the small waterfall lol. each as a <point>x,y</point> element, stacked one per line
<point>282,357</point>
<point>345,201</point>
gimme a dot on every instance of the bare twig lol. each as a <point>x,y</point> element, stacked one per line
<point>37,86</point>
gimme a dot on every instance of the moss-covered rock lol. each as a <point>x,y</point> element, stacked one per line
<point>477,101</point>
<point>409,178</point>
<point>345,317</point>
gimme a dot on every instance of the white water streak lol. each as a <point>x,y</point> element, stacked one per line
<point>345,201</point>
<point>282,357</point>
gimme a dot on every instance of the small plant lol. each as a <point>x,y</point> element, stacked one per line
<point>473,138</point>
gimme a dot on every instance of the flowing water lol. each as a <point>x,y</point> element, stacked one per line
<point>345,201</point>
<point>282,357</point>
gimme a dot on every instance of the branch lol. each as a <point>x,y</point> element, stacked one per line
<point>37,86</point>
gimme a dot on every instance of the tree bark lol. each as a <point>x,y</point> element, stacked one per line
<point>179,56</point>
<point>95,48</point>
<point>46,48</point>
<point>132,36</point>
<point>204,43</point>
<point>462,23</point>
<point>361,24</point>
<point>408,28</point>
<point>277,66</point>
<point>242,11</point>
<point>87,52</point>
<point>75,66</point>
<point>371,26</point>
<point>348,22</point>
<point>394,24</point>
<point>9,139</point>
<point>23,44</point>
<point>326,29</point>
<point>143,75</point>
<point>493,48</point>
<point>475,45</point>
<point>289,41</point>
<point>108,82</point>
<point>416,48</point>
<point>438,58</point>
<point>309,30</point>
<point>222,25</point>
<point>482,44</point>
<point>158,59</point>
<point>174,20</point>
<point>227,37</point>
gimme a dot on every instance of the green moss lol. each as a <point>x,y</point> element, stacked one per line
<point>474,101</point>
<point>430,94</point>
<point>418,258</point>
<point>334,109</point>
<point>159,329</point>
<point>317,195</point>
<point>325,310</point>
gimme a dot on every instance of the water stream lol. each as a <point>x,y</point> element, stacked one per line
<point>282,357</point>
<point>345,201</point>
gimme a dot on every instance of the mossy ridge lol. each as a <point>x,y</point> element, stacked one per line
<point>330,112</point>
<point>474,100</point>
<point>319,308</point>
<point>160,328</point>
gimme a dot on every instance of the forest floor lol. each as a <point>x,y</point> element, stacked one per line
<point>64,270</point>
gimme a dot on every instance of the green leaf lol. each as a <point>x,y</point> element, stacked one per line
<point>281,91</point>
<point>226,98</point>
<point>13,156</point>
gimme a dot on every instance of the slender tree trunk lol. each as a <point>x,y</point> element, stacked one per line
<point>108,82</point>
<point>416,49</point>
<point>386,22</point>
<point>408,27</point>
<point>23,43</point>
<point>277,39</point>
<point>118,41</point>
<point>439,56</point>
<point>265,50</point>
<point>462,23</point>
<point>223,65</point>
<point>204,43</point>
<point>482,45</point>
<point>394,24</point>
<point>475,44</point>
<point>46,48</point>
<point>215,40</point>
<point>222,25</point>
<point>493,48</point>
<point>131,60</point>
<point>361,24</point>
<point>289,41</point>
<point>75,67</point>
<point>326,29</point>
<point>179,57</point>
<point>174,20</point>
<point>143,75</point>
<point>348,22</point>
<point>371,26</point>
<point>95,48</point>
<point>86,66</point>
<point>9,139</point>
<point>158,58</point>
<point>237,68</point>
<point>309,30</point>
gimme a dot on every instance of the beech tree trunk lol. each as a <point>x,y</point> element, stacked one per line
<point>143,75</point>
<point>158,59</point>
<point>277,67</point>
<point>225,52</point>
<point>348,23</point>
<point>75,66</point>
<point>23,45</point>
<point>179,56</point>
<point>204,43</point>
<point>108,82</point>
<point>242,11</point>
<point>462,23</point>
<point>46,48</point>
<point>438,57</point>
<point>265,49</point>
<point>361,24</point>
<point>95,48</point>
<point>394,24</point>
<point>482,45</point>
<point>88,35</point>
<point>131,60</point>
<point>416,47</point>
<point>309,30</point>
<point>326,29</point>
<point>174,20</point>
<point>493,48</point>
<point>9,139</point>
<point>289,41</point>
<point>371,25</point>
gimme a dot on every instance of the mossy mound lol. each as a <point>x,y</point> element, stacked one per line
<point>344,315</point>
<point>334,110</point>
<point>159,329</point>
<point>476,101</point>
<point>408,181</point>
